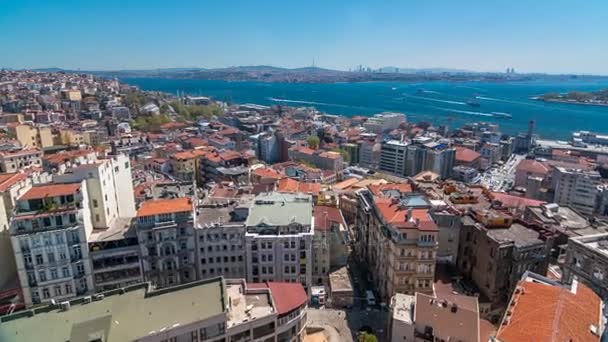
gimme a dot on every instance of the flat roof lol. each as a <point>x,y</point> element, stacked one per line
<point>129,316</point>
<point>280,209</point>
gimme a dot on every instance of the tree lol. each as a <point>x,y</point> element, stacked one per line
<point>313,142</point>
<point>367,337</point>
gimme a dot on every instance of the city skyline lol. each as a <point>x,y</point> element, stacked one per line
<point>546,37</point>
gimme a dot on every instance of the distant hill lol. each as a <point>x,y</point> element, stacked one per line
<point>266,73</point>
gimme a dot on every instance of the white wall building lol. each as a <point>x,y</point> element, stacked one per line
<point>49,231</point>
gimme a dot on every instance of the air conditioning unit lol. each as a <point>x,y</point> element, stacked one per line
<point>87,299</point>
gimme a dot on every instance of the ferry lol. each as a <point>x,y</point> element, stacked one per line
<point>501,115</point>
<point>473,103</point>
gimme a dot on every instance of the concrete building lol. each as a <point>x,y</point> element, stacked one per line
<point>115,256</point>
<point>279,237</point>
<point>165,231</point>
<point>397,241</point>
<point>542,309</point>
<point>427,318</point>
<point>341,294</point>
<point>577,189</point>
<point>110,188</point>
<point>213,309</point>
<point>15,161</point>
<point>393,156</point>
<point>383,122</point>
<point>529,168</point>
<point>465,174</point>
<point>494,252</point>
<point>330,243</point>
<point>220,235</point>
<point>266,147</point>
<point>50,227</point>
<point>587,261</point>
<point>369,151</point>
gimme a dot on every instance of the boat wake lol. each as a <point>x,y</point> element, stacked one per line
<point>274,99</point>
<point>464,111</point>
<point>435,100</point>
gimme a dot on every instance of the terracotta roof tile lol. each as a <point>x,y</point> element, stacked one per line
<point>169,206</point>
<point>545,312</point>
<point>50,190</point>
<point>532,166</point>
<point>286,296</point>
<point>325,216</point>
<point>466,155</point>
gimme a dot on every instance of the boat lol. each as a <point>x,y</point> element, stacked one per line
<point>501,115</point>
<point>473,103</point>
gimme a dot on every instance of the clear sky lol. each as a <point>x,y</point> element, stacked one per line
<point>555,36</point>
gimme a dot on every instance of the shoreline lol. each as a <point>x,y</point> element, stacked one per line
<point>538,98</point>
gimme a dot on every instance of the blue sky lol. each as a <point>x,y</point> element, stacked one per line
<point>555,36</point>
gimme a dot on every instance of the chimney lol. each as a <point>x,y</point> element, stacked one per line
<point>454,308</point>
<point>408,214</point>
<point>417,222</point>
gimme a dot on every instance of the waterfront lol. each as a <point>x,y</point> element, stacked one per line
<point>439,102</point>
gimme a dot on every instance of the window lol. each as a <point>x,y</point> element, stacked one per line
<point>46,221</point>
<point>57,289</point>
<point>95,204</point>
<point>96,217</point>
<point>66,272</point>
<point>50,256</point>
<point>45,293</point>
<point>39,259</point>
<point>62,255</point>
<point>72,218</point>
<point>59,220</point>
<point>54,274</point>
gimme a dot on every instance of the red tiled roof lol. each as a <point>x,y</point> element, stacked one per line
<point>396,215</point>
<point>325,216</point>
<point>345,184</point>
<point>169,206</point>
<point>544,312</point>
<point>291,185</point>
<point>9,179</point>
<point>286,296</point>
<point>532,166</point>
<point>510,201</point>
<point>466,155</point>
<point>379,189</point>
<point>51,190</point>
<point>265,172</point>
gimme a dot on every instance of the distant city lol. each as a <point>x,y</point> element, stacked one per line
<point>168,214</point>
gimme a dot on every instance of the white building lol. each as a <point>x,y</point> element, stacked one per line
<point>384,122</point>
<point>110,188</point>
<point>279,236</point>
<point>49,231</point>
<point>577,189</point>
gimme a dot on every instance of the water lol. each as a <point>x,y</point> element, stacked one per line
<point>438,102</point>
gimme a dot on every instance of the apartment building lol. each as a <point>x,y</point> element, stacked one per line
<point>398,241</point>
<point>577,189</point>
<point>279,237</point>
<point>32,136</point>
<point>220,235</point>
<point>207,310</point>
<point>587,262</point>
<point>330,243</point>
<point>326,160</point>
<point>17,160</point>
<point>165,232</point>
<point>110,188</point>
<point>115,256</point>
<point>393,155</point>
<point>494,252</point>
<point>49,230</point>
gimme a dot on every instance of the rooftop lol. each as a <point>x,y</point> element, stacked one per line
<point>340,281</point>
<point>542,310</point>
<point>280,209</point>
<point>456,319</point>
<point>402,307</point>
<point>286,296</point>
<point>50,190</point>
<point>325,216</point>
<point>134,314</point>
<point>164,206</point>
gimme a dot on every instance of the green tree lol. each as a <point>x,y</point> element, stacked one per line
<point>313,142</point>
<point>367,337</point>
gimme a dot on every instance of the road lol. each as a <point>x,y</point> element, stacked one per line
<point>348,322</point>
<point>502,178</point>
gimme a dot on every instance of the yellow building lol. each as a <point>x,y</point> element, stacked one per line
<point>71,137</point>
<point>32,136</point>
